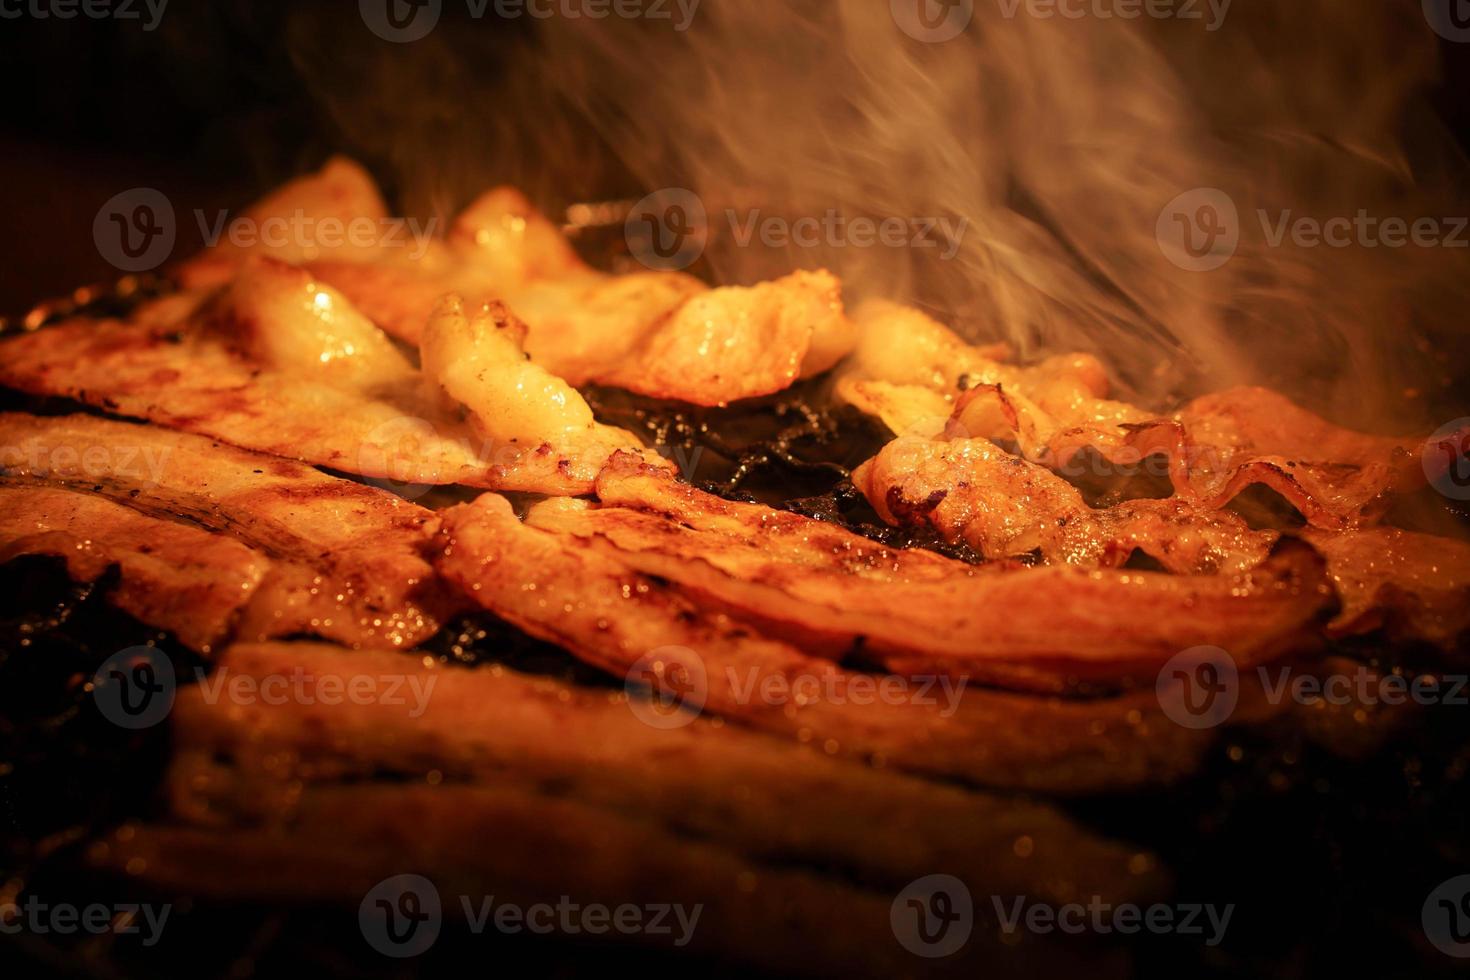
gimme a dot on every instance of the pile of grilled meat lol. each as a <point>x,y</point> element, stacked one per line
<point>622,648</point>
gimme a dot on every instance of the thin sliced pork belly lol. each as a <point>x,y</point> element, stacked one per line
<point>662,334</point>
<point>527,849</point>
<point>1415,585</point>
<point>744,790</point>
<point>344,561</point>
<point>281,364</point>
<point>827,588</point>
<point>172,576</point>
<point>566,589</point>
<point>970,490</point>
<point>1003,506</point>
<point>910,371</point>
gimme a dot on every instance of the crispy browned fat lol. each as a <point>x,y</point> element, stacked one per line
<point>588,599</point>
<point>834,591</point>
<point>268,547</point>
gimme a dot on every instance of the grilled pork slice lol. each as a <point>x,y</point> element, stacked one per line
<point>590,600</point>
<point>1216,446</point>
<point>831,590</point>
<point>244,762</point>
<point>309,553</point>
<point>174,576</point>
<point>280,363</point>
<point>1003,506</point>
<point>1417,586</point>
<point>341,192</point>
<point>478,363</point>
<point>505,846</point>
<point>663,334</point>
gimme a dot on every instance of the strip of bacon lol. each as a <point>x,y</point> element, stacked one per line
<point>517,848</point>
<point>1221,444</point>
<point>1216,446</point>
<point>176,577</point>
<point>282,364</point>
<point>591,601</point>
<point>969,490</point>
<point>243,760</point>
<point>836,591</point>
<point>329,557</point>
<point>1003,506</point>
<point>662,334</point>
<point>1415,585</point>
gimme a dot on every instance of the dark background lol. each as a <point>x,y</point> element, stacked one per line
<point>225,99</point>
